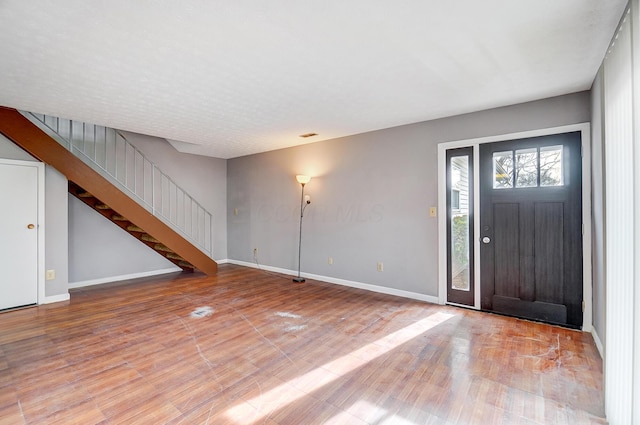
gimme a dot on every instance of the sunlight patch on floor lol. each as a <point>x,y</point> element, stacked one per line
<point>287,315</point>
<point>367,413</point>
<point>298,387</point>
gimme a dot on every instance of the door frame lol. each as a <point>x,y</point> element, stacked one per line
<point>585,134</point>
<point>39,166</point>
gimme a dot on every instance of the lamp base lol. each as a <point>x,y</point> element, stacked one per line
<point>298,279</point>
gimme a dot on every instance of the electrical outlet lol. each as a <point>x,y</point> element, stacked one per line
<point>380,266</point>
<point>50,275</point>
<point>330,261</point>
<point>433,212</point>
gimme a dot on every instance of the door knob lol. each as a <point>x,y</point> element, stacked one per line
<point>31,226</point>
<point>486,239</point>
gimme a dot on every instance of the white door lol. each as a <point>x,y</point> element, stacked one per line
<point>18,235</point>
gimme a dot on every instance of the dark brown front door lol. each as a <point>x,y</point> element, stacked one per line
<point>531,228</point>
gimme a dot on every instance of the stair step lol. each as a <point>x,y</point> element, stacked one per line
<point>102,207</point>
<point>160,247</point>
<point>118,217</point>
<point>148,238</point>
<point>174,256</point>
<point>84,195</point>
<point>134,228</point>
<point>185,264</point>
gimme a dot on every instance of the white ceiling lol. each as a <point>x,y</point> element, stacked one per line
<point>231,78</point>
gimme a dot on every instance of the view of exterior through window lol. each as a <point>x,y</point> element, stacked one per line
<point>459,229</point>
<point>532,167</point>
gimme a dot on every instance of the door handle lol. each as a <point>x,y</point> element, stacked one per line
<point>31,226</point>
<point>486,239</point>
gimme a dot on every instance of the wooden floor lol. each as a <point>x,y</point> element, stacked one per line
<point>268,351</point>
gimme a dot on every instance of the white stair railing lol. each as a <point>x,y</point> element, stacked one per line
<point>107,152</point>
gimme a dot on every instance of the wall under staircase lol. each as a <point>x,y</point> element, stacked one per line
<point>125,224</point>
<point>85,180</point>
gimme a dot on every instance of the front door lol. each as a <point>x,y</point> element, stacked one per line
<point>19,235</point>
<point>531,228</point>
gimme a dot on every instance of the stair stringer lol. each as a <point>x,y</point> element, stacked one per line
<point>29,137</point>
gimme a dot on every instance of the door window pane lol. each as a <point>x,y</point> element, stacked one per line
<point>527,167</point>
<point>503,170</point>
<point>459,212</point>
<point>531,167</point>
<point>551,166</point>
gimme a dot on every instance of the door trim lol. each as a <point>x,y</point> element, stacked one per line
<point>585,133</point>
<point>39,166</point>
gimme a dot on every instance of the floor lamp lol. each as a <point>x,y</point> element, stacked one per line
<point>303,204</point>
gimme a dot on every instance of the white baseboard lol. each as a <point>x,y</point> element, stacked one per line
<point>224,261</point>
<point>56,298</point>
<point>596,339</point>
<point>343,282</point>
<point>122,277</point>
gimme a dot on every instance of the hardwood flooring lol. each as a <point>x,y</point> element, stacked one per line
<point>269,351</point>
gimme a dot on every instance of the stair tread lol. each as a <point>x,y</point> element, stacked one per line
<point>118,217</point>
<point>102,207</point>
<point>134,228</point>
<point>148,238</point>
<point>84,195</point>
<point>161,247</point>
<point>186,264</point>
<point>174,256</point>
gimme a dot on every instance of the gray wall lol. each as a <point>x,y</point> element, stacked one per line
<point>56,240</point>
<point>56,231</point>
<point>598,204</point>
<point>9,150</point>
<point>371,195</point>
<point>204,178</point>
<point>98,249</point>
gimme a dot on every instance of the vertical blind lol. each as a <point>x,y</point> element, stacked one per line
<point>621,220</point>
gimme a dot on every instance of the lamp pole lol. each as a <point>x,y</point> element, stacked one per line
<point>302,180</point>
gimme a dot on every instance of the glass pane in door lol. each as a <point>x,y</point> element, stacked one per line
<point>503,170</point>
<point>551,166</point>
<point>527,167</point>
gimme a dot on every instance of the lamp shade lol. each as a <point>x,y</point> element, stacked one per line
<point>302,179</point>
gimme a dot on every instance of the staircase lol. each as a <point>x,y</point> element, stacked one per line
<point>126,225</point>
<point>146,204</point>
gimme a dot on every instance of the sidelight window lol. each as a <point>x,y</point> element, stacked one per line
<point>459,230</point>
<point>459,227</point>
